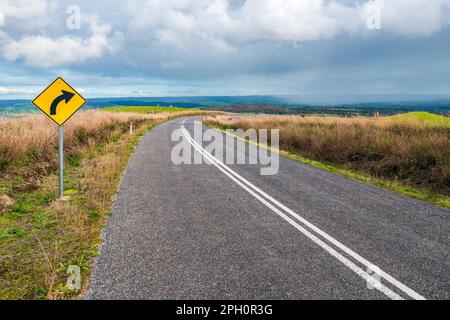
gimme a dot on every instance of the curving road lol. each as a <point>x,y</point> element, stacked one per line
<point>215,231</point>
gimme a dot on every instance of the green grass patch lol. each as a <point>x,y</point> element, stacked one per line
<point>149,110</point>
<point>425,118</point>
<point>74,160</point>
<point>11,232</point>
<point>44,197</point>
<point>22,208</point>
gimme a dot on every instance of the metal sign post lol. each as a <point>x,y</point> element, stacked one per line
<point>61,161</point>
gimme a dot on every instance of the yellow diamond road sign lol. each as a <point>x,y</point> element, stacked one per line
<point>59,101</point>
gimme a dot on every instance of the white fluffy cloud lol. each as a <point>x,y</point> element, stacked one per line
<point>292,20</point>
<point>216,22</point>
<point>23,9</point>
<point>8,91</point>
<point>44,51</point>
<point>26,15</point>
<point>37,47</point>
<point>414,17</point>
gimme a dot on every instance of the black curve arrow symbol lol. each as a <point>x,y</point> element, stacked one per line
<point>65,95</point>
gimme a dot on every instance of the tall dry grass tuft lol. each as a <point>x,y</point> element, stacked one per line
<point>35,136</point>
<point>407,150</point>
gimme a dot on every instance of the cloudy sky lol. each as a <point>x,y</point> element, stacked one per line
<point>225,47</point>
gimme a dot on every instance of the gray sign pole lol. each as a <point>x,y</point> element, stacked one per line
<point>61,163</point>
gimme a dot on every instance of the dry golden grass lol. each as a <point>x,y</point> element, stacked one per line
<point>401,149</point>
<point>36,136</point>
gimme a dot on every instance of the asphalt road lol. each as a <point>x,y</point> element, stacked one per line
<point>214,231</point>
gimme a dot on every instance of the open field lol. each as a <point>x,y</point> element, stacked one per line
<point>410,152</point>
<point>40,235</point>
<point>151,109</point>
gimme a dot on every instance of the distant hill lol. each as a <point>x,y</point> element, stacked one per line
<point>16,106</point>
<point>363,105</point>
<point>343,110</point>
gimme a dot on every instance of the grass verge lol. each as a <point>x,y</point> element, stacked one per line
<point>41,236</point>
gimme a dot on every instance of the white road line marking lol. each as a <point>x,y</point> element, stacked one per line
<point>248,186</point>
<point>335,242</point>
